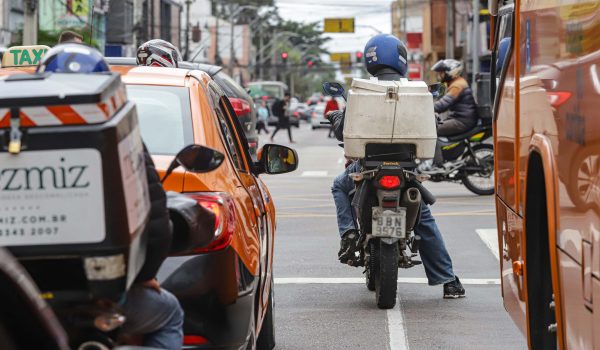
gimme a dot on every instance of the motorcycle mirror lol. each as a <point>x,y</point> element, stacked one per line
<point>437,90</point>
<point>196,159</point>
<point>333,89</point>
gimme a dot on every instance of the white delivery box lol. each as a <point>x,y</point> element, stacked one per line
<point>389,112</point>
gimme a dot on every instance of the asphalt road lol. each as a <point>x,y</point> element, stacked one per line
<point>322,304</point>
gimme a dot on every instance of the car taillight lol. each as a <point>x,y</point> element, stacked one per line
<point>389,182</point>
<point>222,206</point>
<point>194,340</point>
<point>296,114</point>
<point>557,98</point>
<point>314,114</point>
<point>240,106</point>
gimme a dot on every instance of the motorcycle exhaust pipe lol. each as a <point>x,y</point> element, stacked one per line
<point>411,200</point>
<point>427,196</point>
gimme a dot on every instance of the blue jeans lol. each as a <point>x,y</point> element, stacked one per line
<point>436,260</point>
<point>156,316</point>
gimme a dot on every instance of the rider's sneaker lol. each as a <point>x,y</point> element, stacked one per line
<point>348,246</point>
<point>454,289</point>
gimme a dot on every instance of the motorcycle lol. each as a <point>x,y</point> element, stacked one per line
<point>468,157</point>
<point>386,208</point>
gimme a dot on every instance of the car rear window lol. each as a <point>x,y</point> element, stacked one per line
<point>164,116</point>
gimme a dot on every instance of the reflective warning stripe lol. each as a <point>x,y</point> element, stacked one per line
<point>91,113</point>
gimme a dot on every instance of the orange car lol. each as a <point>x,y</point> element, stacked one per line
<point>226,288</point>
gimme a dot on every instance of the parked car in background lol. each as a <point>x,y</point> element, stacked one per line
<point>241,101</point>
<point>317,115</point>
<point>315,98</point>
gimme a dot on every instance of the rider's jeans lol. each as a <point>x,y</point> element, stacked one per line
<point>156,316</point>
<point>436,260</point>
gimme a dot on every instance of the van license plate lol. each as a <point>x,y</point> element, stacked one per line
<point>388,223</point>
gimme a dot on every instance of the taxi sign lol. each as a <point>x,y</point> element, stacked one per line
<point>339,25</point>
<point>23,56</point>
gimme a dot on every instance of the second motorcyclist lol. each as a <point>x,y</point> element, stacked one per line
<point>456,110</point>
<point>386,59</point>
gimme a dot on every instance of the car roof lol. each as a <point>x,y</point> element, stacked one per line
<point>210,69</point>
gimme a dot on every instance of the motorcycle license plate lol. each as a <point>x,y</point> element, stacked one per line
<point>389,223</point>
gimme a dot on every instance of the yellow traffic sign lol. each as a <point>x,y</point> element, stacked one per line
<point>339,25</point>
<point>23,56</point>
<point>340,57</point>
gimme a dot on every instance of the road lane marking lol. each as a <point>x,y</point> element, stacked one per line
<point>396,330</point>
<point>318,215</point>
<point>314,174</point>
<point>361,280</point>
<point>490,239</point>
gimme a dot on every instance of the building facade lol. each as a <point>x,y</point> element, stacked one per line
<point>11,21</point>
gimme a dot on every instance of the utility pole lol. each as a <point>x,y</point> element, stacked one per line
<point>475,47</point>
<point>404,16</point>
<point>450,29</point>
<point>187,30</point>
<point>30,27</point>
<point>232,19</point>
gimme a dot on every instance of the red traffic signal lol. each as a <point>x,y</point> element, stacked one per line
<point>284,55</point>
<point>359,56</point>
<point>310,63</point>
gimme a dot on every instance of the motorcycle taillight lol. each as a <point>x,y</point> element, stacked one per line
<point>222,206</point>
<point>389,182</point>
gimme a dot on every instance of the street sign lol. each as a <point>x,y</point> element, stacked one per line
<point>342,57</point>
<point>339,25</point>
<point>22,56</point>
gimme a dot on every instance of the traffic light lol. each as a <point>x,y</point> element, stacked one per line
<point>284,57</point>
<point>310,63</point>
<point>359,56</point>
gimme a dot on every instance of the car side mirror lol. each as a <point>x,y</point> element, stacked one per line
<point>196,159</point>
<point>333,89</point>
<point>276,159</point>
<point>437,90</point>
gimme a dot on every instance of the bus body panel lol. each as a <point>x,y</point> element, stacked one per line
<point>558,99</point>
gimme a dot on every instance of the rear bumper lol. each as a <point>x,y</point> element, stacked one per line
<point>217,294</point>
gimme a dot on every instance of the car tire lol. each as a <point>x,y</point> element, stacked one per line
<point>266,337</point>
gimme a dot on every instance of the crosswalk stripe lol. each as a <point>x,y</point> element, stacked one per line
<point>314,173</point>
<point>490,239</point>
<point>359,280</point>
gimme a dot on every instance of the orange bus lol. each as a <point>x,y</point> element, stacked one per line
<point>546,65</point>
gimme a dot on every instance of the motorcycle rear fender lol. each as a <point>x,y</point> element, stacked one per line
<point>389,241</point>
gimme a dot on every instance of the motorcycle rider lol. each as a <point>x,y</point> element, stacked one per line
<point>158,53</point>
<point>458,104</point>
<point>386,59</point>
<point>150,310</point>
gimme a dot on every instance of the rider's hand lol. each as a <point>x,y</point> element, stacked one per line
<point>152,284</point>
<point>328,115</point>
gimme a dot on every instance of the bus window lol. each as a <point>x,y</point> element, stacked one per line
<point>503,47</point>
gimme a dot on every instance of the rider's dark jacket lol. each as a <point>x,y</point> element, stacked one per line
<point>158,230</point>
<point>337,117</point>
<point>460,102</point>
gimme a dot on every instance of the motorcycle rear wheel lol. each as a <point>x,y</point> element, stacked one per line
<point>372,265</point>
<point>386,275</point>
<point>485,154</point>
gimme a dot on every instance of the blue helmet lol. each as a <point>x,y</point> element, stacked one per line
<point>385,51</point>
<point>73,58</point>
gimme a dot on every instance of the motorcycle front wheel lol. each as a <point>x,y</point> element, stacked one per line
<point>386,274</point>
<point>481,182</point>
